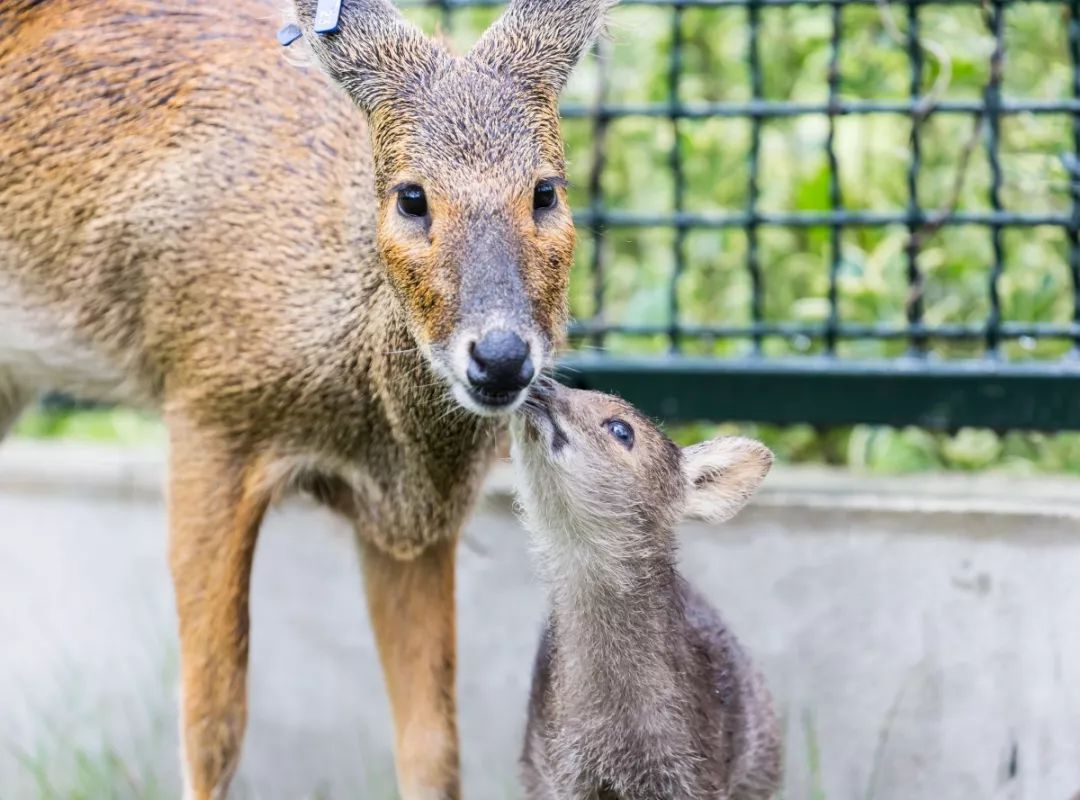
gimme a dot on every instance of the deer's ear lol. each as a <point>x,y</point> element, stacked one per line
<point>375,54</point>
<point>540,41</point>
<point>722,474</point>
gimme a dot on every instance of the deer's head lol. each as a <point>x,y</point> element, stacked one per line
<point>473,225</point>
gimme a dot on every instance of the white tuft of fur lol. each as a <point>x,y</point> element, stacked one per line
<point>580,539</point>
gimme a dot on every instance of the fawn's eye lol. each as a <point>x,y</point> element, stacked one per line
<point>411,201</point>
<point>622,432</point>
<point>544,195</point>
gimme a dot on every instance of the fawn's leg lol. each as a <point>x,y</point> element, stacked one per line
<point>216,502</point>
<point>412,612</point>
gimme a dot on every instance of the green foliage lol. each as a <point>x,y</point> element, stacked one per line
<point>878,449</point>
<point>70,759</point>
<point>874,153</point>
<point>119,425</point>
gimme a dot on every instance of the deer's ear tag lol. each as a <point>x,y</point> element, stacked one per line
<point>327,16</point>
<point>289,34</point>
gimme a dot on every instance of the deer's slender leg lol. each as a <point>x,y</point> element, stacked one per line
<point>412,612</point>
<point>216,503</point>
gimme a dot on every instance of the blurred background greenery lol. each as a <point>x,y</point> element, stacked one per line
<point>873,156</point>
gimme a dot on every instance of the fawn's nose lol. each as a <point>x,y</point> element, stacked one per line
<point>499,363</point>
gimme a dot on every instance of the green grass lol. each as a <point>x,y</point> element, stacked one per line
<point>72,757</point>
<point>882,450</point>
<point>90,775</point>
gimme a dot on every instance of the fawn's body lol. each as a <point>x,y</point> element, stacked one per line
<point>639,690</point>
<point>313,296</point>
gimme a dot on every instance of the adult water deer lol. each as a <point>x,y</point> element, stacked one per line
<point>314,297</point>
<point>640,691</point>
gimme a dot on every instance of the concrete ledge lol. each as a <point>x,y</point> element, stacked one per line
<point>927,493</point>
<point>34,466</point>
<point>76,467</point>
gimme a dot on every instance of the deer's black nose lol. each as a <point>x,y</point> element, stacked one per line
<point>499,363</point>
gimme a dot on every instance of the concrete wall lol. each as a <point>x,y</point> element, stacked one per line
<point>922,637</point>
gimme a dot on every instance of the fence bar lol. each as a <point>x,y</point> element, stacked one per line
<point>678,178</point>
<point>753,259</point>
<point>849,330</point>
<point>835,200</point>
<point>993,137</point>
<point>906,391</point>
<point>596,190</point>
<point>1072,230</point>
<point>818,219</point>
<point>914,304</point>
<point>776,108</point>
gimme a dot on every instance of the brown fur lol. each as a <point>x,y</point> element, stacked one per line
<point>639,691</point>
<point>190,222</point>
<point>418,659</point>
<point>210,557</point>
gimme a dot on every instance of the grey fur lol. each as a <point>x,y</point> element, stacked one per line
<point>640,691</point>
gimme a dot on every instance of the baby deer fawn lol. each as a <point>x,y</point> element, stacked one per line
<point>344,285</point>
<point>640,692</point>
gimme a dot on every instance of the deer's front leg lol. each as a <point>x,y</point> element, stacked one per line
<point>411,603</point>
<point>216,503</point>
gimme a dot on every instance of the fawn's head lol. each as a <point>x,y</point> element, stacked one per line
<point>473,225</point>
<point>593,465</point>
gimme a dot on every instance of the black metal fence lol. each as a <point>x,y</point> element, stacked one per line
<point>991,371</point>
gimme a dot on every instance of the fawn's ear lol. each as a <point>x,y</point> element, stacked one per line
<point>375,54</point>
<point>722,474</point>
<point>540,41</point>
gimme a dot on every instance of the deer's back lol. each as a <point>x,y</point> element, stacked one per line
<point>173,198</point>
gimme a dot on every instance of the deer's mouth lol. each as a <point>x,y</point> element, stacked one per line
<point>493,401</point>
<point>481,400</point>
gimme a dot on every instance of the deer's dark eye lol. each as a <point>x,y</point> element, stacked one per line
<point>544,195</point>
<point>411,201</point>
<point>622,432</point>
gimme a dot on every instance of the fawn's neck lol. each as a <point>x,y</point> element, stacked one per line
<point>619,630</point>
